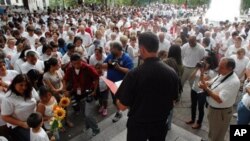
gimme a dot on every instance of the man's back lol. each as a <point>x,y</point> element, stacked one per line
<point>153,87</point>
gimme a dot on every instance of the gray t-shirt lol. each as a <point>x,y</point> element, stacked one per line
<point>54,79</point>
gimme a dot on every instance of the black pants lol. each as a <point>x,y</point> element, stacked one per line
<point>5,131</point>
<point>146,132</point>
<point>200,100</point>
<point>103,98</point>
<point>20,134</point>
<point>76,101</point>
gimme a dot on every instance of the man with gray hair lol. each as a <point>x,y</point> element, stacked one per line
<point>222,92</point>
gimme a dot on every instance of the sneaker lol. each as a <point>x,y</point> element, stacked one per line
<point>96,131</point>
<point>117,117</point>
<point>105,112</point>
<point>101,109</point>
<point>235,115</point>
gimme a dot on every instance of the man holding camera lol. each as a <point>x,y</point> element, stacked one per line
<point>81,81</point>
<point>222,92</point>
<point>118,65</point>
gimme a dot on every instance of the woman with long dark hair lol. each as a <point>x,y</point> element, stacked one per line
<point>53,80</point>
<point>17,105</point>
<point>175,53</point>
<point>52,77</point>
<point>204,70</point>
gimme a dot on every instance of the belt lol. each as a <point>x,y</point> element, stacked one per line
<point>215,108</point>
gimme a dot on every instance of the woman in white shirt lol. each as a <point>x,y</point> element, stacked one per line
<point>97,57</point>
<point>18,63</point>
<point>204,70</point>
<point>16,107</point>
<point>46,52</point>
<point>6,76</point>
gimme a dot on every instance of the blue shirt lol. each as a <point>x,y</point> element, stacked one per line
<point>63,50</point>
<point>124,61</point>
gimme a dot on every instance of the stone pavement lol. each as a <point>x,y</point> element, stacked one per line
<point>117,131</point>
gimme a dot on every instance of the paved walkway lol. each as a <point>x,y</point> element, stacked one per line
<point>182,113</point>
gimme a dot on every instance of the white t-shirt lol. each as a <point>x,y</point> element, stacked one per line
<point>192,55</point>
<point>18,64</point>
<point>2,94</point>
<point>32,40</point>
<point>240,64</point>
<point>231,51</point>
<point>65,59</point>
<point>11,74</point>
<point>39,136</point>
<point>26,67</point>
<point>93,61</point>
<point>102,85</point>
<point>14,58</point>
<point>86,38</point>
<point>165,45</point>
<point>246,97</point>
<point>17,107</point>
<point>210,73</point>
<point>10,52</point>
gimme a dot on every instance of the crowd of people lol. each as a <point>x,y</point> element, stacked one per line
<point>45,56</point>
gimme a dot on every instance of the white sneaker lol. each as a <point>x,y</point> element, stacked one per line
<point>235,115</point>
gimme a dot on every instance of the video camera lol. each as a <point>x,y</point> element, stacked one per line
<point>201,64</point>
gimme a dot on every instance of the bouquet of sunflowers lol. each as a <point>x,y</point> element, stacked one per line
<point>59,114</point>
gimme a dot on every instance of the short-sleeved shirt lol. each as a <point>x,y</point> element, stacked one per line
<point>39,136</point>
<point>227,91</point>
<point>17,107</point>
<point>26,67</point>
<point>124,61</point>
<point>55,79</point>
<point>149,91</point>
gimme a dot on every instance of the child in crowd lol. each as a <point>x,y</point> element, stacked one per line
<point>45,107</point>
<point>35,122</point>
<point>102,91</point>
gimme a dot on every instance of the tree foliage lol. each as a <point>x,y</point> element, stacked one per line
<point>191,3</point>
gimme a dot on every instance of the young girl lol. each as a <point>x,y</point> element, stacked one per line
<point>45,107</point>
<point>102,91</point>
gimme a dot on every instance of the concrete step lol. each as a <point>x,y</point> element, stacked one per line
<point>108,129</point>
<point>117,132</point>
<point>175,134</point>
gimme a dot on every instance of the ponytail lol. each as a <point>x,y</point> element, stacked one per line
<point>51,62</point>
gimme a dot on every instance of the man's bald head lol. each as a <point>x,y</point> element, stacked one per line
<point>192,41</point>
<point>161,36</point>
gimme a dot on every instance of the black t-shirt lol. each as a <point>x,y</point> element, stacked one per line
<point>149,91</point>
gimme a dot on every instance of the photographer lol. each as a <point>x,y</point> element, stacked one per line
<point>80,79</point>
<point>204,70</point>
<point>118,65</point>
<point>222,92</point>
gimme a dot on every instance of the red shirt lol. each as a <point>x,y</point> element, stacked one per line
<point>84,80</point>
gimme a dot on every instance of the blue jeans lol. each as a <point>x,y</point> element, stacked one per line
<point>243,114</point>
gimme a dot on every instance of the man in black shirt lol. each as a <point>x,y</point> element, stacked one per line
<point>148,91</point>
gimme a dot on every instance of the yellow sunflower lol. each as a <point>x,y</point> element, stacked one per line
<point>56,107</point>
<point>59,113</point>
<point>64,102</point>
